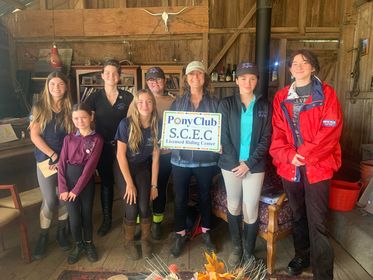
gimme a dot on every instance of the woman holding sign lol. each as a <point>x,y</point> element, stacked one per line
<point>185,163</point>
<point>245,139</point>
<point>50,122</point>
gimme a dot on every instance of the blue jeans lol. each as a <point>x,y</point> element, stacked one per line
<point>181,179</point>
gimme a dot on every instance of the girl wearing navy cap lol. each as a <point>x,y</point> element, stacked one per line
<point>245,139</point>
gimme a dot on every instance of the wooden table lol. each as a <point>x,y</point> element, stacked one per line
<point>16,148</point>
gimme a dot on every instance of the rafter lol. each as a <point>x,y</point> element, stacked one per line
<point>231,40</point>
<point>15,4</point>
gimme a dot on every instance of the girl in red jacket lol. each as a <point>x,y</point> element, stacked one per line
<point>307,125</point>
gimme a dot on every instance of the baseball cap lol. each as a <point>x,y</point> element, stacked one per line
<point>246,67</point>
<point>154,73</point>
<point>195,65</point>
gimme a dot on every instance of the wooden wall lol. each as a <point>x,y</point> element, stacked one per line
<point>355,89</point>
<point>216,31</point>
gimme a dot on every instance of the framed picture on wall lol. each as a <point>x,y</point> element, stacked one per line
<point>363,46</point>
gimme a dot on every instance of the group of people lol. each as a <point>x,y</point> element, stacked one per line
<point>119,133</point>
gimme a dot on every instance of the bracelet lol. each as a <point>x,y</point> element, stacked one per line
<point>51,161</point>
<point>154,186</point>
<point>52,155</point>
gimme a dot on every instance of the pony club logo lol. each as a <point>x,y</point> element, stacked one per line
<point>153,70</point>
<point>329,123</point>
<point>262,114</point>
<point>247,65</point>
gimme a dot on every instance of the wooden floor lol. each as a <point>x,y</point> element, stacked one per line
<point>112,255</point>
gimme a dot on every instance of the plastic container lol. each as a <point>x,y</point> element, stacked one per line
<point>343,195</point>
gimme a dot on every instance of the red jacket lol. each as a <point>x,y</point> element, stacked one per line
<point>320,123</point>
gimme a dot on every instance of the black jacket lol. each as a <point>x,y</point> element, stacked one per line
<point>230,108</point>
<point>208,104</point>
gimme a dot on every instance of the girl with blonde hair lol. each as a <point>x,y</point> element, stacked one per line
<point>138,158</point>
<point>50,122</point>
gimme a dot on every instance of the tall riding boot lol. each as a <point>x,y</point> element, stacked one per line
<point>156,226</point>
<point>250,233</point>
<point>41,245</point>
<point>107,206</point>
<point>235,224</point>
<point>62,239</point>
<point>129,242</point>
<point>146,245</point>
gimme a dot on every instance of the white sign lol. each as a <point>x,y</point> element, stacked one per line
<point>191,131</point>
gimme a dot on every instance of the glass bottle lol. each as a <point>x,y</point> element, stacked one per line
<point>234,74</point>
<point>228,74</point>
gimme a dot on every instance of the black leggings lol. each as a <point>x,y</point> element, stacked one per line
<point>165,168</point>
<point>80,210</point>
<point>140,173</point>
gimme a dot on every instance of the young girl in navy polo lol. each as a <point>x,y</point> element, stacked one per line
<point>138,158</point>
<point>78,160</point>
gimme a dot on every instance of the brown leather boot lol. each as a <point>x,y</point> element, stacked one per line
<point>146,245</point>
<point>129,242</point>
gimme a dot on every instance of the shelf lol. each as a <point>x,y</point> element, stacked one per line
<point>223,84</point>
<point>88,79</point>
<point>173,73</point>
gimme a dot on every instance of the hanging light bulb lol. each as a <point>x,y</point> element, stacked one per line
<point>55,57</point>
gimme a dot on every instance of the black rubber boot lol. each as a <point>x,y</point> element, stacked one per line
<point>75,252</point>
<point>235,224</point>
<point>105,226</point>
<point>41,245</point>
<point>62,234</point>
<point>250,233</point>
<point>156,231</point>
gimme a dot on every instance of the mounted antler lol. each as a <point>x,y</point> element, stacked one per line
<point>165,15</point>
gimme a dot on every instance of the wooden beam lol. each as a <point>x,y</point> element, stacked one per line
<point>107,22</point>
<point>122,3</point>
<point>114,39</point>
<point>42,4</point>
<point>252,30</point>
<point>282,66</point>
<point>302,16</point>
<point>231,40</point>
<point>80,4</point>
<point>15,4</point>
<point>205,48</point>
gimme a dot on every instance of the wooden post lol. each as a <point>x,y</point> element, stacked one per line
<point>282,66</point>
<point>42,5</point>
<point>205,48</point>
<point>302,16</point>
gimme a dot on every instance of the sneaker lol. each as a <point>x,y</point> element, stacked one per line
<point>206,239</point>
<point>178,245</point>
<point>90,250</point>
<point>297,264</point>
